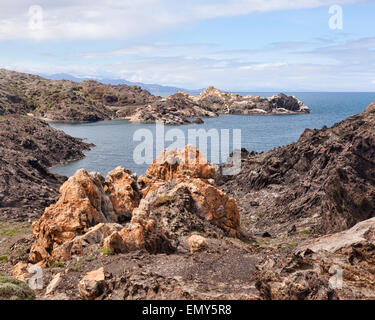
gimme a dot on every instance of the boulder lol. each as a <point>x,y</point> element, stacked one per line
<point>197,243</point>
<point>52,286</point>
<point>141,233</point>
<point>20,271</point>
<point>93,284</point>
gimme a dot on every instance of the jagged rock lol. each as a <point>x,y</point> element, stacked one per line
<point>323,183</point>
<point>52,286</point>
<point>83,204</point>
<point>93,284</point>
<point>123,191</point>
<point>188,168</point>
<point>229,103</point>
<point>86,243</point>
<point>197,243</point>
<point>176,212</point>
<point>141,233</point>
<point>20,271</point>
<point>175,109</point>
<point>338,266</point>
<point>84,216</point>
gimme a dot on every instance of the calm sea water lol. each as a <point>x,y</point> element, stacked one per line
<point>115,145</point>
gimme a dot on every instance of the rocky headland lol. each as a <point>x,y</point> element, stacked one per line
<point>178,108</point>
<point>63,100</point>
<point>89,101</point>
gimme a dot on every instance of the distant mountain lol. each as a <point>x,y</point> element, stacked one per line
<point>155,89</point>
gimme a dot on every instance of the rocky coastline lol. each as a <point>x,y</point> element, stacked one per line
<point>184,231</point>
<point>90,101</point>
<point>296,223</point>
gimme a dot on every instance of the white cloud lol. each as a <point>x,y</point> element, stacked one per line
<point>103,19</point>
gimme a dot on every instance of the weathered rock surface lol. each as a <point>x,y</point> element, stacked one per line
<point>323,183</point>
<point>123,192</point>
<point>83,204</point>
<point>92,285</point>
<point>189,169</point>
<point>28,147</point>
<point>338,266</point>
<point>177,199</point>
<point>197,243</point>
<point>140,233</point>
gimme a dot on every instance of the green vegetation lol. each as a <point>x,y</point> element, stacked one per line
<point>57,264</point>
<point>107,251</point>
<point>305,232</point>
<point>13,289</point>
<point>3,259</point>
<point>9,232</point>
<point>77,266</point>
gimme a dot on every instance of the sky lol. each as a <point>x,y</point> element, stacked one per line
<point>237,45</point>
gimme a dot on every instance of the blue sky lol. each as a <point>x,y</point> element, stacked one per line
<point>238,45</point>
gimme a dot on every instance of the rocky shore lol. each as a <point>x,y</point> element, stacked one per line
<point>176,109</point>
<point>89,101</point>
<point>296,223</point>
<point>28,148</point>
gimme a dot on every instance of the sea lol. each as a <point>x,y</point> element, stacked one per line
<point>134,146</point>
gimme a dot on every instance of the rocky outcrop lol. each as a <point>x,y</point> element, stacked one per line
<point>338,266</point>
<point>89,207</point>
<point>88,101</point>
<point>188,168</point>
<point>28,147</point>
<point>229,103</point>
<point>176,109</point>
<point>85,201</point>
<point>321,184</point>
